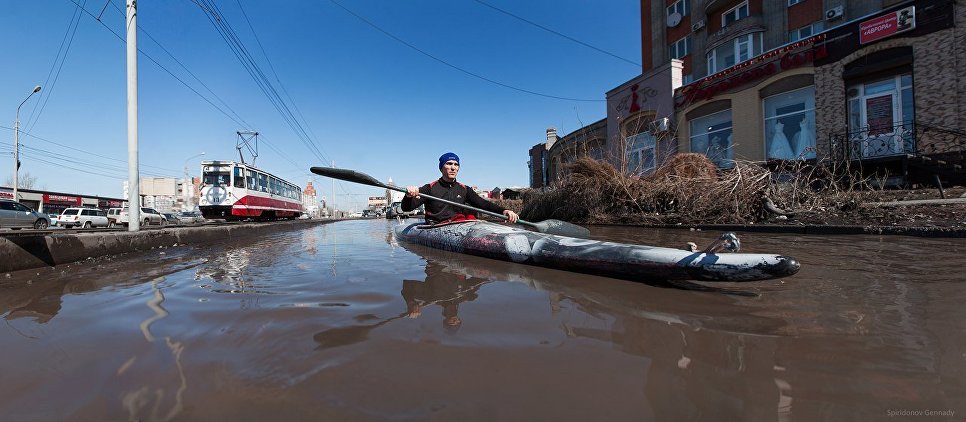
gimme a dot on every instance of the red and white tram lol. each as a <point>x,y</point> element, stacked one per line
<point>231,190</point>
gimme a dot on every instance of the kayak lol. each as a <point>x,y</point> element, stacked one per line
<point>618,260</point>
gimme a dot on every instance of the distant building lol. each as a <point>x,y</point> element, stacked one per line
<point>310,202</point>
<point>55,202</point>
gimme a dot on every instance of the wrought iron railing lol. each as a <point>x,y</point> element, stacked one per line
<point>906,139</point>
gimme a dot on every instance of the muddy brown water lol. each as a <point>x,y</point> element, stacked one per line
<point>339,321</point>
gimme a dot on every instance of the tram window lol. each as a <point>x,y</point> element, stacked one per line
<point>250,179</point>
<point>217,176</point>
<point>239,177</point>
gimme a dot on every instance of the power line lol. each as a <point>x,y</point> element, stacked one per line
<point>71,31</point>
<point>556,33</point>
<point>240,124</point>
<point>82,151</point>
<point>444,62</point>
<point>238,48</point>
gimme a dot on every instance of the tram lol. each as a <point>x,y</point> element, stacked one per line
<point>233,191</point>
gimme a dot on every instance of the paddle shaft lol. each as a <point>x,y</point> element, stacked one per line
<point>547,226</point>
<point>446,201</point>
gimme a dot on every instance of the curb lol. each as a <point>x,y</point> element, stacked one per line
<point>813,230</point>
<point>26,251</point>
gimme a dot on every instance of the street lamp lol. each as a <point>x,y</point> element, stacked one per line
<point>16,144</point>
<point>184,188</point>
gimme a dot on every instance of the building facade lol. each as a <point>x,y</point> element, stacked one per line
<point>852,81</point>
<point>55,202</point>
<point>876,83</point>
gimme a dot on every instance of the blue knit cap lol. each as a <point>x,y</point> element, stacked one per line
<point>447,157</point>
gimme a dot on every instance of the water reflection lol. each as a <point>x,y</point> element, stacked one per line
<point>441,288</point>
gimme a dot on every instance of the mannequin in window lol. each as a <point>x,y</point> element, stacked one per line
<point>803,139</point>
<point>779,148</point>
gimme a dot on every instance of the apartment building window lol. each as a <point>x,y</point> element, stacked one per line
<point>680,7</point>
<point>794,2</point>
<point>790,125</point>
<point>688,79</point>
<point>806,31</point>
<point>734,51</point>
<point>680,48</point>
<point>641,158</point>
<point>732,15</point>
<point>711,136</point>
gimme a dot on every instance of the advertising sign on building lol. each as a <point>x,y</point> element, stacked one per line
<point>6,194</point>
<point>887,25</point>
<point>377,201</point>
<point>50,198</point>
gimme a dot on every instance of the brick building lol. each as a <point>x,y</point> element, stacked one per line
<point>880,83</point>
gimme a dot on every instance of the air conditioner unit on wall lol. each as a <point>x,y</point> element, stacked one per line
<point>834,13</point>
<point>697,26</point>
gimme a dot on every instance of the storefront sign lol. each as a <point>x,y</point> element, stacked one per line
<point>106,203</point>
<point>6,194</point>
<point>62,199</point>
<point>775,61</point>
<point>887,25</point>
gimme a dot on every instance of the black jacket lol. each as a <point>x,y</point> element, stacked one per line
<point>454,191</point>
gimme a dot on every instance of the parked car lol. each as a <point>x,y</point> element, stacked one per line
<point>82,217</point>
<point>53,218</point>
<point>149,216</point>
<point>395,210</point>
<point>191,217</point>
<point>172,218</point>
<point>14,215</point>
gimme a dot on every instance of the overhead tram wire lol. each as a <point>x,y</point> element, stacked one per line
<point>189,72</point>
<point>165,69</point>
<point>86,152</point>
<point>557,33</point>
<point>475,75</point>
<point>274,73</point>
<point>244,56</point>
<point>71,31</point>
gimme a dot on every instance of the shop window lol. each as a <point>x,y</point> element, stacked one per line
<point>882,116</point>
<point>680,7</point>
<point>806,31</point>
<point>790,125</point>
<point>641,158</point>
<point>733,15</point>
<point>680,48</point>
<point>734,51</point>
<point>711,136</point>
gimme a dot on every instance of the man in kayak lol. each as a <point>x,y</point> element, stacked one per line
<point>446,187</point>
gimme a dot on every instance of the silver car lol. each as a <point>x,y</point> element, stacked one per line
<point>14,215</point>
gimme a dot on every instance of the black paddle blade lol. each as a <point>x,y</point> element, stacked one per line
<point>560,228</point>
<point>349,176</point>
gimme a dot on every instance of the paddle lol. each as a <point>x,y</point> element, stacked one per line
<point>556,227</point>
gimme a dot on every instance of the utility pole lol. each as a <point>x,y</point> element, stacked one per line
<point>133,173</point>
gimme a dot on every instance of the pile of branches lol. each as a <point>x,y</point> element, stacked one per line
<point>689,189</point>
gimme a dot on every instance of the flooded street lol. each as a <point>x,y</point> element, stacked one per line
<point>339,322</point>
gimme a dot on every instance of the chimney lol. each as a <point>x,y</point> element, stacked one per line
<point>551,136</point>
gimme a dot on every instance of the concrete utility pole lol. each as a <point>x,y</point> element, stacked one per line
<point>133,173</point>
<point>16,144</point>
<point>187,182</point>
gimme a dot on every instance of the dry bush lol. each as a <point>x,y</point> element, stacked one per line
<point>690,189</point>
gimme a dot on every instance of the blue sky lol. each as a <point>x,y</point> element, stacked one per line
<point>361,92</point>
